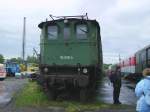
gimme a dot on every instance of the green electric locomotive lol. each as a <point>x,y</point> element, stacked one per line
<point>70,54</point>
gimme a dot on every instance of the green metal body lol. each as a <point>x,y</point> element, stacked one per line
<point>71,51</point>
<point>72,60</point>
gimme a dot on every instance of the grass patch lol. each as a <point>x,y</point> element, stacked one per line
<point>32,95</point>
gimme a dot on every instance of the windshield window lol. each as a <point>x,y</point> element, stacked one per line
<point>52,32</point>
<point>66,32</point>
<point>81,31</point>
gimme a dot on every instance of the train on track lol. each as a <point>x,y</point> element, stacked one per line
<point>70,54</point>
<point>133,66</point>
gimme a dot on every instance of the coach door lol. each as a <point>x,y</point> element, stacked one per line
<point>148,57</point>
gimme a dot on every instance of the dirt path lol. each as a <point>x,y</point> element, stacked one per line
<point>8,88</point>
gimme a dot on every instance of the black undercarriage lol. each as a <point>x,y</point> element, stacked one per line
<point>56,78</point>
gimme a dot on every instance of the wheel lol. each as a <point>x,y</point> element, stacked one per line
<point>50,91</point>
<point>83,94</point>
<point>52,95</point>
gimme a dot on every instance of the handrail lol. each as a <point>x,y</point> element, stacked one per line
<point>67,17</point>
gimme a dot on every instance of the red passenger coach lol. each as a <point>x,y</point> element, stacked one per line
<point>133,66</point>
<point>128,66</point>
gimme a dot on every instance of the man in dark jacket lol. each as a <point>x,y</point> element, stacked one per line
<point>115,78</point>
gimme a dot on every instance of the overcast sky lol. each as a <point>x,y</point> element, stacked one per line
<point>125,24</point>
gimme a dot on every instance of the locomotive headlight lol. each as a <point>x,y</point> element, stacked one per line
<point>65,21</point>
<point>85,70</point>
<point>78,69</point>
<point>46,70</point>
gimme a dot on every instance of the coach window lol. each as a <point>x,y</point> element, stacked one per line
<point>81,31</point>
<point>148,56</point>
<point>66,32</point>
<point>52,32</point>
<point>143,55</point>
<point>149,53</point>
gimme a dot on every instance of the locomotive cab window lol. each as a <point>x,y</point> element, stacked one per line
<point>148,56</point>
<point>66,32</point>
<point>81,31</point>
<point>52,32</point>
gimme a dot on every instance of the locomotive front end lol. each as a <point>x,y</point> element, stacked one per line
<point>71,54</point>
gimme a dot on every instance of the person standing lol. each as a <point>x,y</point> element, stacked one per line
<point>141,90</point>
<point>115,78</point>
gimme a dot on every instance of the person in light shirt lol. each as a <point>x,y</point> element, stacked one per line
<point>142,88</point>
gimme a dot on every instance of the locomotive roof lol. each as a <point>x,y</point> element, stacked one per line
<point>70,19</point>
<point>148,46</point>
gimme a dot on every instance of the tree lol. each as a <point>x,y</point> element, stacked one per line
<point>106,66</point>
<point>32,59</point>
<point>17,60</point>
<point>1,58</point>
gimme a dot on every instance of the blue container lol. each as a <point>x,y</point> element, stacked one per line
<point>12,68</point>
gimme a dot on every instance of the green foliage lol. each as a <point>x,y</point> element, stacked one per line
<point>1,58</point>
<point>17,60</point>
<point>105,66</point>
<point>31,95</point>
<point>32,59</point>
